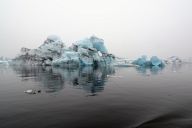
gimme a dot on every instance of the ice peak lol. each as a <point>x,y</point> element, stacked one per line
<point>53,38</point>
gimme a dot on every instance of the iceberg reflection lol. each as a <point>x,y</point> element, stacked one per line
<point>52,79</point>
<point>153,70</point>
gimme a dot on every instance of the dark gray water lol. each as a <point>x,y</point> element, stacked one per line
<point>96,98</point>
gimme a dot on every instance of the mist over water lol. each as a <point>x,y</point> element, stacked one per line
<point>104,97</point>
<point>130,28</point>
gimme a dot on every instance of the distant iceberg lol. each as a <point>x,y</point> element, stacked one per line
<point>153,61</point>
<point>4,61</point>
<point>173,59</point>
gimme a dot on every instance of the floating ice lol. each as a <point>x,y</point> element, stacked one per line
<point>114,76</point>
<point>142,61</point>
<point>154,61</point>
<point>43,55</point>
<point>31,91</point>
<point>4,61</point>
<point>173,59</point>
<point>89,51</point>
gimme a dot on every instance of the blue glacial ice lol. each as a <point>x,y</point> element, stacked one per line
<point>154,61</point>
<point>89,51</point>
<point>92,51</point>
<point>86,52</point>
<point>67,59</point>
<point>98,44</point>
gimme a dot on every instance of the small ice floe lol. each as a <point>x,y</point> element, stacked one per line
<point>113,76</point>
<point>124,65</point>
<point>92,94</point>
<point>31,91</point>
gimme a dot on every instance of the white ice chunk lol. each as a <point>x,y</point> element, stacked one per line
<point>173,59</point>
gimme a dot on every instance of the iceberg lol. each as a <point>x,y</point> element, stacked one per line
<point>89,51</point>
<point>92,51</point>
<point>173,59</point>
<point>4,61</point>
<point>144,62</point>
<point>43,55</point>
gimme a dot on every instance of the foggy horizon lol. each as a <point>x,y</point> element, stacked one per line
<point>130,28</point>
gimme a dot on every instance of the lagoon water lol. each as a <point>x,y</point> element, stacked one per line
<point>106,97</point>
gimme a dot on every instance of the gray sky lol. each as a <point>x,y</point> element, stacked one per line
<point>130,28</point>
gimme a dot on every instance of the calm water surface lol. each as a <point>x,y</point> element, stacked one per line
<point>96,98</point>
